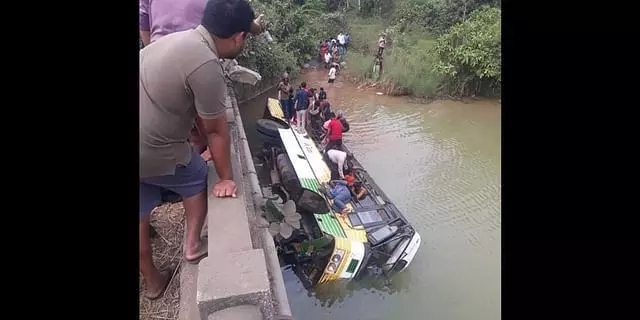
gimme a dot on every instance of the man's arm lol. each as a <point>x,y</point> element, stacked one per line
<point>280,85</point>
<point>362,193</point>
<point>209,89</point>
<point>144,22</point>
<point>256,25</point>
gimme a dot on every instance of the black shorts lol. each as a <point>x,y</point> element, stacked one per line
<point>332,80</point>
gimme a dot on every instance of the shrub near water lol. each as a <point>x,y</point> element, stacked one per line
<point>407,65</point>
<point>469,55</point>
<point>463,61</point>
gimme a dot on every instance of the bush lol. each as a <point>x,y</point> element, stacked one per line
<point>296,29</point>
<point>410,67</point>
<point>470,55</point>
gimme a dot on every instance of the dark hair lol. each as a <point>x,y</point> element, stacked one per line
<point>303,85</point>
<point>321,88</point>
<point>332,115</point>
<point>316,103</point>
<point>224,18</point>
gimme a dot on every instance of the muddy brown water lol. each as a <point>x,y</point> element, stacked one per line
<point>440,164</point>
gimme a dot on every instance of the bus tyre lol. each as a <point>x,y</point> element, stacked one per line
<point>269,127</point>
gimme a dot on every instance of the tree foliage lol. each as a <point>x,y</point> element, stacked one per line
<point>295,30</point>
<point>436,16</point>
<point>469,55</point>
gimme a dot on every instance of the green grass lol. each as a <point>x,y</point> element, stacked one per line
<point>407,61</point>
<point>409,66</point>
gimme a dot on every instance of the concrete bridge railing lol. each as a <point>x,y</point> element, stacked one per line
<point>241,277</point>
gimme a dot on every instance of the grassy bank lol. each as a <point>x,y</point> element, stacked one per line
<point>407,61</point>
<point>434,48</point>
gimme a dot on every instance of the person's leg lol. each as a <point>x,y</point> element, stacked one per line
<point>339,205</point>
<point>344,196</point>
<point>190,182</point>
<point>285,108</point>
<point>292,111</point>
<point>338,144</point>
<point>303,117</point>
<point>331,144</point>
<point>149,198</point>
<point>298,117</point>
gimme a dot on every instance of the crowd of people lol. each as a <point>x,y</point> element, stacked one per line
<point>331,50</point>
<point>311,106</point>
<point>295,104</point>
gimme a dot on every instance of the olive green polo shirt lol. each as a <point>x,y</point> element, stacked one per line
<point>180,78</point>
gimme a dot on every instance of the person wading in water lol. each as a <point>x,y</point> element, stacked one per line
<point>332,74</point>
<point>322,95</point>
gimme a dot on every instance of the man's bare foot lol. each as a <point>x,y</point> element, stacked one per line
<point>156,290</point>
<point>194,256</point>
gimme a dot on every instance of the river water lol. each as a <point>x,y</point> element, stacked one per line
<point>440,164</point>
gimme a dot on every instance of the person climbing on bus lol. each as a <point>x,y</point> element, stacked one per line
<point>339,192</point>
<point>334,133</point>
<point>337,158</point>
<point>357,189</point>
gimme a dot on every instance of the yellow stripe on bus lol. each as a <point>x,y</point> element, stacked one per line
<point>274,108</point>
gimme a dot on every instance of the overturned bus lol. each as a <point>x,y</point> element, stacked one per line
<point>322,245</point>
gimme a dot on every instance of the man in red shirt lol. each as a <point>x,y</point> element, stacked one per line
<point>334,133</point>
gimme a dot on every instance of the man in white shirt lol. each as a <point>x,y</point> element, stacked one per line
<point>381,44</point>
<point>341,42</point>
<point>332,74</point>
<point>327,59</point>
<point>338,157</point>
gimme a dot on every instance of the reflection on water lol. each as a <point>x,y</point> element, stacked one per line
<point>440,164</point>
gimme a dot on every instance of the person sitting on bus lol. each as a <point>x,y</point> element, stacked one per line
<point>358,190</point>
<point>340,194</point>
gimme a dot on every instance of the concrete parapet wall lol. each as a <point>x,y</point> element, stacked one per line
<point>242,274</point>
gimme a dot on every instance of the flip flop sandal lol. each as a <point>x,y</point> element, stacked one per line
<point>203,252</point>
<point>169,274</point>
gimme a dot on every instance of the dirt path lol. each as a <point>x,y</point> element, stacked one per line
<point>168,220</point>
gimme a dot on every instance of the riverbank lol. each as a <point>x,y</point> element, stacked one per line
<point>429,54</point>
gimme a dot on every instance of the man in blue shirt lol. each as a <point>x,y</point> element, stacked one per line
<point>301,101</point>
<point>340,195</point>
